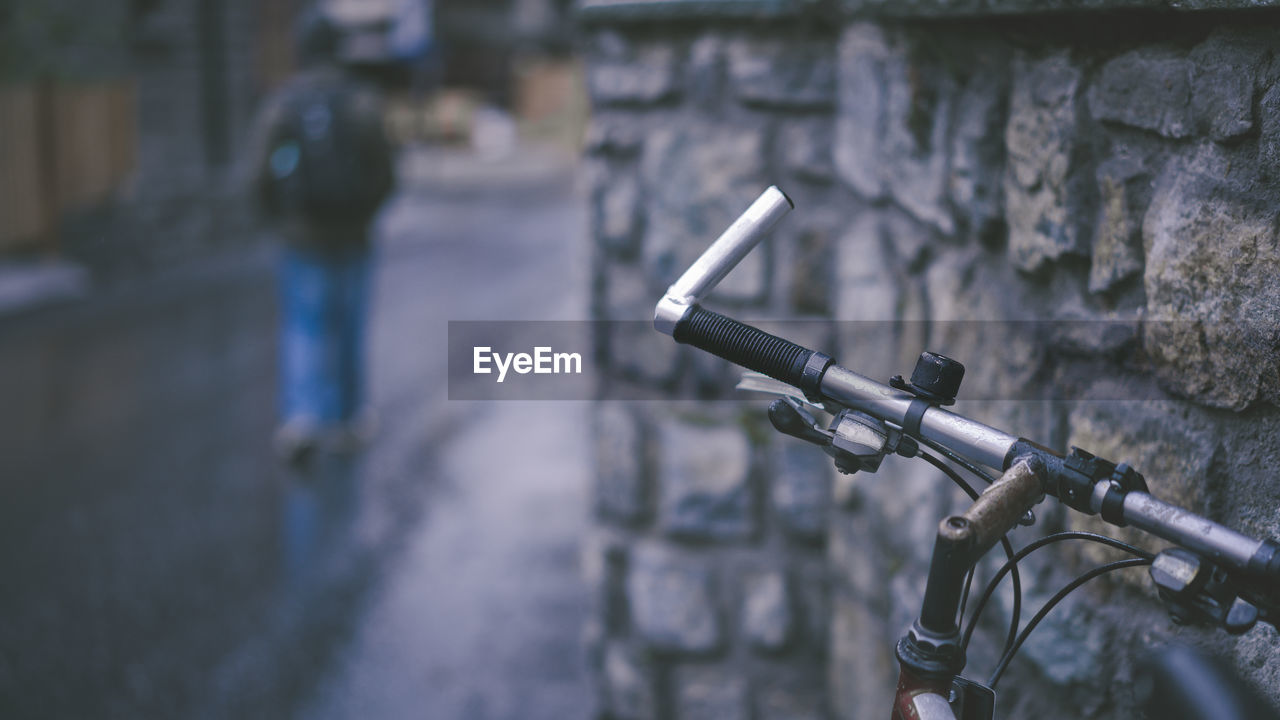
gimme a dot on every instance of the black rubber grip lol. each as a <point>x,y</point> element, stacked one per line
<point>743,345</point>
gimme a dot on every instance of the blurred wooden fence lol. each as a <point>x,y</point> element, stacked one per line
<point>62,148</point>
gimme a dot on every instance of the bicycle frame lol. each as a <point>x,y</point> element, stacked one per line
<point>875,419</point>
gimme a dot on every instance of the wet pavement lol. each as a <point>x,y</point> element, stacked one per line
<point>158,562</point>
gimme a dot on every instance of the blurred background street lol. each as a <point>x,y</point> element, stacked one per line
<point>160,562</point>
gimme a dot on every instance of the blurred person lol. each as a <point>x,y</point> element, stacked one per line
<point>321,167</point>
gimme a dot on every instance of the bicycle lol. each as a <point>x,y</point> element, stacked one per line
<point>1213,575</point>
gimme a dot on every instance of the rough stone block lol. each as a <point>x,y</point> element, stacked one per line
<point>635,351</point>
<point>621,487</point>
<point>917,125</point>
<point>604,571</point>
<point>698,178</point>
<point>706,693</point>
<point>977,145</point>
<point>706,490</point>
<point>805,149</point>
<point>861,106</point>
<point>777,73</point>
<point>877,303</point>
<point>790,704</point>
<point>1210,281</point>
<point>623,73</point>
<point>1148,88</point>
<point>1123,190</point>
<point>801,490</point>
<point>914,152</point>
<point>616,220</point>
<point>1040,141</point>
<point>1225,68</point>
<point>809,285</point>
<point>705,72</point>
<point>1172,445</point>
<point>614,133</point>
<point>768,618</point>
<point>813,586</point>
<point>629,683</point>
<point>1269,142</point>
<point>672,601</point>
<point>865,670</point>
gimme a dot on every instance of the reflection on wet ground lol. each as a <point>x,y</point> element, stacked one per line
<point>158,562</point>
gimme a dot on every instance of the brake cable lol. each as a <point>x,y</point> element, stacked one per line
<point>1053,601</point>
<point>1031,547</point>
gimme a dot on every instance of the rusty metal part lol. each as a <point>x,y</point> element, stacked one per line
<point>1000,507</point>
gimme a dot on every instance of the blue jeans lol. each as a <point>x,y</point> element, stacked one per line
<point>324,297</point>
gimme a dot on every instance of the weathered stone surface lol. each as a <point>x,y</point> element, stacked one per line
<point>604,570</point>
<point>1091,335</point>
<point>1269,142</point>
<point>801,490</point>
<point>623,11</point>
<point>788,704</point>
<point>921,125</point>
<point>804,147</point>
<point>862,100</point>
<point>813,588</point>
<point>945,8</point>
<point>628,11</point>
<point>1212,260</point>
<point>1224,70</point>
<point>977,145</point>
<point>635,351</point>
<point>706,482</point>
<point>672,601</point>
<point>1069,645</point>
<point>1040,140</point>
<point>1171,445</point>
<point>627,74</point>
<point>809,285</point>
<point>968,319</point>
<point>870,294</point>
<point>772,72</point>
<point>621,487</point>
<point>706,693</point>
<point>768,618</point>
<point>920,104</point>
<point>1148,88</point>
<point>698,178</point>
<point>629,683</point>
<point>863,672</point>
<point>705,72</point>
<point>615,215</point>
<point>1124,188</point>
<point>613,134</point>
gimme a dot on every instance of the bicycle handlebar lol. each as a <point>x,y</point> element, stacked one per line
<point>814,373</point>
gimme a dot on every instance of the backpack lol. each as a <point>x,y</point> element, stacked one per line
<point>326,162</point>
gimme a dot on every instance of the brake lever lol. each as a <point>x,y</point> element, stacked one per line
<point>1197,591</point>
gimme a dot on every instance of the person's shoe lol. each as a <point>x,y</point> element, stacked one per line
<point>296,441</point>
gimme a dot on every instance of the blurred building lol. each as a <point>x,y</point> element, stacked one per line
<point>122,124</point>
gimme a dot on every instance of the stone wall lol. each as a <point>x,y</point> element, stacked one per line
<point>1080,207</point>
